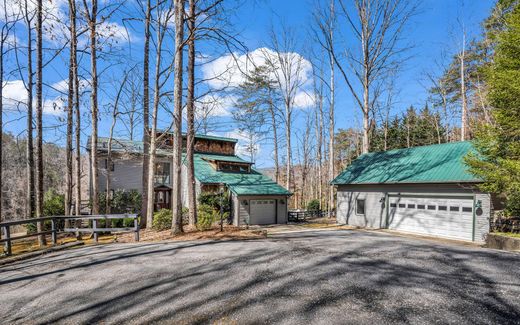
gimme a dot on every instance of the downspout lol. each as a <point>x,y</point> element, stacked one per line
<point>387,203</point>
<point>474,219</point>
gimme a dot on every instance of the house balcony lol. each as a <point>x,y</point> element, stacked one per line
<point>159,180</point>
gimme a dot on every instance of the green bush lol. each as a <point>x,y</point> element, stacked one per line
<point>213,200</point>
<point>53,205</point>
<point>162,219</point>
<point>205,217</point>
<point>313,205</point>
<point>122,202</point>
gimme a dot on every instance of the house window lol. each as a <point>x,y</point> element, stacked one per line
<point>360,207</point>
<point>162,173</point>
<point>111,165</point>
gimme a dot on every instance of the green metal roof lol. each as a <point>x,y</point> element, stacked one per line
<point>440,163</point>
<point>254,183</point>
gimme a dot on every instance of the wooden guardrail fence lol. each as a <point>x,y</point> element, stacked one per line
<point>302,215</point>
<point>7,239</point>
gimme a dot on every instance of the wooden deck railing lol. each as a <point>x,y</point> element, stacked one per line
<point>7,238</point>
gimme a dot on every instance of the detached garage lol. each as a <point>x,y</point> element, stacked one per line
<point>423,190</point>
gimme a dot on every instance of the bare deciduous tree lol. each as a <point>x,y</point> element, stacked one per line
<point>146,112</point>
<point>378,27</point>
<point>91,17</point>
<point>190,110</point>
<point>287,67</point>
<point>177,135</point>
<point>39,122</point>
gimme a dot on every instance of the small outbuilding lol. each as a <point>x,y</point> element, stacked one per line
<point>424,190</point>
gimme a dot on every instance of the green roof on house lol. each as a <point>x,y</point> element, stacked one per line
<point>254,183</point>
<point>439,163</point>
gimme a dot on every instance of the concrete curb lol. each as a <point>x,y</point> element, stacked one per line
<point>16,258</point>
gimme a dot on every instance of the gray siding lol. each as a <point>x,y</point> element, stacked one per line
<point>127,174</point>
<point>375,211</point>
<point>241,211</point>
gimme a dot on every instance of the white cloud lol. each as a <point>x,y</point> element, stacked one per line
<point>15,98</point>
<point>230,71</point>
<point>115,32</point>
<point>214,106</point>
<point>14,94</point>
<point>304,100</point>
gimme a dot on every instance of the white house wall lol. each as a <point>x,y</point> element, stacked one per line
<point>375,212</point>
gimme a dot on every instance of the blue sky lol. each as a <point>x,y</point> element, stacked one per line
<point>434,31</point>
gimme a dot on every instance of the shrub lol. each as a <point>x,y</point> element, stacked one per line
<point>313,205</point>
<point>53,205</point>
<point>162,219</point>
<point>205,217</point>
<point>213,200</point>
<point>122,202</point>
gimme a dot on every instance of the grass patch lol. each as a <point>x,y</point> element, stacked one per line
<point>507,234</point>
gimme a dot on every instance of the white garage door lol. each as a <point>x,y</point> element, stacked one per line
<point>443,217</point>
<point>262,212</point>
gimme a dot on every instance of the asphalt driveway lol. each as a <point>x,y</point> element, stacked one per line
<point>318,277</point>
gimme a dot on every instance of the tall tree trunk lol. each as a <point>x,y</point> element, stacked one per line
<point>190,107</point>
<point>29,156</point>
<point>30,206</point>
<point>177,147</point>
<point>464,122</point>
<point>70,108</point>
<point>74,47</point>
<point>275,140</point>
<point>92,21</point>
<point>39,123</point>
<point>146,117</point>
<point>288,146</point>
<point>153,135</point>
<point>331,112</point>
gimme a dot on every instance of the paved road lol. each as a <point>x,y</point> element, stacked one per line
<point>321,277</point>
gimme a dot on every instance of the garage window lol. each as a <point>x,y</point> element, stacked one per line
<point>431,207</point>
<point>360,207</point>
<point>402,205</point>
<point>411,206</point>
<point>421,206</point>
<point>467,209</point>
<point>393,205</point>
<point>454,209</point>
<point>443,208</point>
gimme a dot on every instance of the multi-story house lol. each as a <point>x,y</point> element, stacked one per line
<point>255,198</point>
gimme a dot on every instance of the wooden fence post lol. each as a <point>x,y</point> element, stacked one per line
<point>136,225</point>
<point>8,242</point>
<point>94,229</point>
<point>53,229</point>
